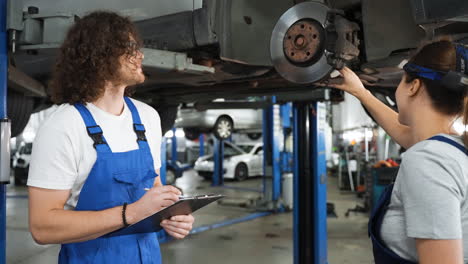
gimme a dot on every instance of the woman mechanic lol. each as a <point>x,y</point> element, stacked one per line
<point>423,217</point>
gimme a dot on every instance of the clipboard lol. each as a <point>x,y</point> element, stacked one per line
<point>185,206</point>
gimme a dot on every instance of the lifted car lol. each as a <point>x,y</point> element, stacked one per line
<point>221,122</point>
<point>200,50</point>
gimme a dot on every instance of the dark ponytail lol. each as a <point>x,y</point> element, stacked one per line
<point>442,56</point>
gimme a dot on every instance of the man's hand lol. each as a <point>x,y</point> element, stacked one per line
<point>154,200</point>
<point>178,226</point>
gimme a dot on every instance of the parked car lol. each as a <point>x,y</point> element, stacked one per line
<point>240,162</point>
<point>234,38</point>
<point>221,122</point>
<point>20,164</point>
<point>175,170</point>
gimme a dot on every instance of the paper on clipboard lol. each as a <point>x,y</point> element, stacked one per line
<point>184,206</point>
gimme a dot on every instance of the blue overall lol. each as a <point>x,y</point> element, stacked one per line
<point>382,254</point>
<point>115,178</point>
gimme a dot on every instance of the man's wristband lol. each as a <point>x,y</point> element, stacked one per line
<point>124,219</point>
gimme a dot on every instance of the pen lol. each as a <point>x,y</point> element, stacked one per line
<point>180,197</point>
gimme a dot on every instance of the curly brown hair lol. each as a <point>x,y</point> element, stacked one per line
<point>89,56</point>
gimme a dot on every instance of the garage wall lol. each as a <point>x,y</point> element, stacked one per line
<point>349,115</point>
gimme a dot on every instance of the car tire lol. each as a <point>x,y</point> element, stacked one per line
<point>191,133</point>
<point>21,176</point>
<point>20,108</point>
<point>207,178</point>
<point>241,172</point>
<point>254,136</point>
<point>223,127</point>
<point>205,175</point>
<point>170,176</point>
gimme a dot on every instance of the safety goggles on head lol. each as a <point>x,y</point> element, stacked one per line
<point>454,80</point>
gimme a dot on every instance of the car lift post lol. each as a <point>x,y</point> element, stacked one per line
<point>162,170</point>
<point>174,165</point>
<point>174,146</point>
<point>201,141</point>
<point>286,122</point>
<point>218,158</point>
<point>310,193</point>
<point>162,235</point>
<point>5,130</point>
<point>271,154</point>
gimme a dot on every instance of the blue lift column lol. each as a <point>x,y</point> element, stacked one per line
<point>201,141</point>
<point>271,154</point>
<point>218,158</point>
<point>310,193</point>
<point>162,171</point>
<point>174,154</point>
<point>286,122</point>
<point>162,235</point>
<point>4,130</point>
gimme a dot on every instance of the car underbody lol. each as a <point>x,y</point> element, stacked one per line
<point>227,46</point>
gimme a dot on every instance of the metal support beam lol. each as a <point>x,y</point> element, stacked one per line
<point>218,158</point>
<point>23,83</point>
<point>199,229</point>
<point>285,112</point>
<point>174,146</point>
<point>163,60</point>
<point>271,157</point>
<point>162,235</point>
<point>275,143</point>
<point>162,171</point>
<point>286,123</point>
<point>267,154</point>
<point>3,59</point>
<point>310,211</point>
<point>229,222</point>
<point>201,141</point>
<point>4,129</point>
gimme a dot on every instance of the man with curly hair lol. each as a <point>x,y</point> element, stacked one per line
<point>97,155</point>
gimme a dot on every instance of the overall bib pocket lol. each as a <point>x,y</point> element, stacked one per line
<point>132,184</point>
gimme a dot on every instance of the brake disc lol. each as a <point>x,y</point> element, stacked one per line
<point>298,41</point>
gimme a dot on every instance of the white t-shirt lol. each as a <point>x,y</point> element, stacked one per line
<point>429,199</point>
<point>63,153</point>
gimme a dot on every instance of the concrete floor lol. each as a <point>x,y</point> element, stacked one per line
<point>263,240</point>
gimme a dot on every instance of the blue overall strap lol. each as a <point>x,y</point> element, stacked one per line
<point>138,127</point>
<point>451,142</point>
<point>94,131</point>
<point>383,254</point>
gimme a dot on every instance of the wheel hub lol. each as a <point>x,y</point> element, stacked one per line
<point>298,43</point>
<point>170,177</point>
<point>302,42</point>
<point>224,129</point>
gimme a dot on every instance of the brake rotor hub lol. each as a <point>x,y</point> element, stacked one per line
<point>302,42</point>
<point>297,44</point>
